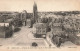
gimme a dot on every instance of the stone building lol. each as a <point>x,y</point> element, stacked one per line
<point>35,13</point>
<point>6,29</point>
<point>29,23</point>
<point>41,29</point>
<point>6,24</point>
<point>56,28</point>
<point>77,28</point>
<point>24,17</point>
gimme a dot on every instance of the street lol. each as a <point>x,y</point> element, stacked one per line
<point>23,38</point>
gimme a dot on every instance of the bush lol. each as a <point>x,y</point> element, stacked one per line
<point>34,44</point>
<point>9,34</point>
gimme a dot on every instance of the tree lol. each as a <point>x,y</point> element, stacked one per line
<point>44,20</point>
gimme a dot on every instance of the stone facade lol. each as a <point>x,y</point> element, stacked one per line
<point>6,30</point>
<point>56,28</point>
<point>24,17</point>
<point>41,29</point>
<point>29,23</point>
<point>35,13</point>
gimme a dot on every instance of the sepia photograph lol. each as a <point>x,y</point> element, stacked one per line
<point>44,24</point>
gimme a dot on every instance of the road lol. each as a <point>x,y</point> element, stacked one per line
<point>23,38</point>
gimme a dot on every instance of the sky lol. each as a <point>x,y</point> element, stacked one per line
<point>43,5</point>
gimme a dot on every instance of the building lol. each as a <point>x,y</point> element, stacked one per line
<point>41,29</point>
<point>35,13</point>
<point>39,20</point>
<point>15,16</point>
<point>56,28</point>
<point>24,17</point>
<point>77,28</point>
<point>29,23</point>
<point>6,29</point>
<point>17,19</point>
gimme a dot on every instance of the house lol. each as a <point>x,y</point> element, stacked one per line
<point>56,28</point>
<point>6,29</point>
<point>39,20</point>
<point>77,27</point>
<point>41,29</point>
<point>29,23</point>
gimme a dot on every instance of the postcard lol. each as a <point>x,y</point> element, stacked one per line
<point>40,25</point>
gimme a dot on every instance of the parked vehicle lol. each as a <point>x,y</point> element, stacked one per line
<point>34,44</point>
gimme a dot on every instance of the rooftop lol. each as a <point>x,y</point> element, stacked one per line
<point>41,25</point>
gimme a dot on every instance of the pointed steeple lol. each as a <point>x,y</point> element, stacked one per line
<point>35,6</point>
<point>35,15</point>
<point>34,3</point>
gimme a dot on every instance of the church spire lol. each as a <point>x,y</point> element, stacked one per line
<point>35,15</point>
<point>35,6</point>
<point>34,3</point>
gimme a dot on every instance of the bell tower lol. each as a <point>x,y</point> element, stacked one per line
<point>35,12</point>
